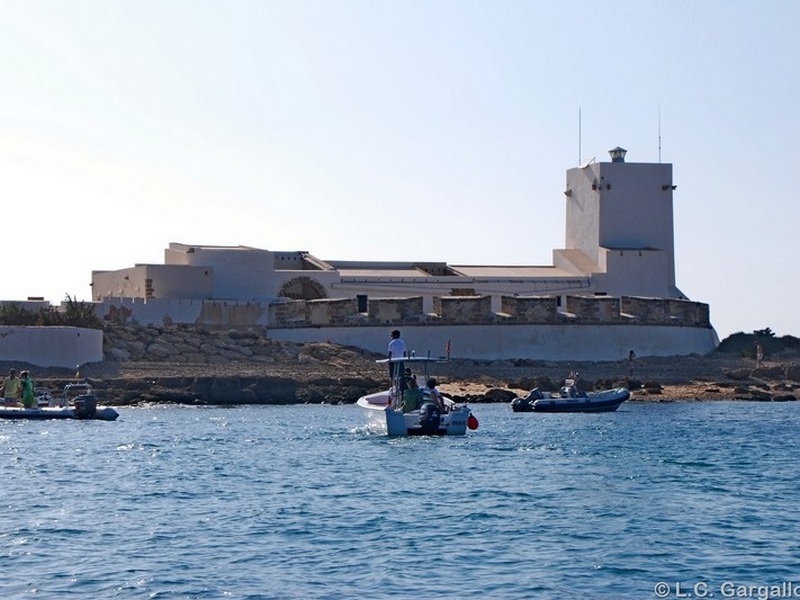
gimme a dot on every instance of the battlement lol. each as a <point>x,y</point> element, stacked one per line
<point>480,326</point>
<point>477,310</point>
<point>447,310</point>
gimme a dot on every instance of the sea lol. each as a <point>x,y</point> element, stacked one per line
<point>655,500</point>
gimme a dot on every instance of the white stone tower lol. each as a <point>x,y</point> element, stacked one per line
<point>619,227</point>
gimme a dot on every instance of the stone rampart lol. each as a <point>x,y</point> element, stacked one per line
<point>393,310</point>
<point>686,312</point>
<point>331,311</point>
<point>530,309</point>
<point>653,311</point>
<point>595,309</point>
<point>464,309</point>
<point>473,310</point>
<point>165,311</point>
<point>446,310</point>
<point>289,313</point>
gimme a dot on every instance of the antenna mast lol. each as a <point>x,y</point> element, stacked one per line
<point>659,133</point>
<point>579,135</point>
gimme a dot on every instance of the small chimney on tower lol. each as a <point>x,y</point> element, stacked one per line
<point>618,154</point>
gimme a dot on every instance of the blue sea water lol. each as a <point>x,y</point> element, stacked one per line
<point>669,500</point>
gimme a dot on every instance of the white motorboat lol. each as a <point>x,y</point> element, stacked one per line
<point>389,412</point>
<point>76,402</point>
<point>571,399</point>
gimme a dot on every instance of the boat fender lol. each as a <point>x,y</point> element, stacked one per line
<point>472,422</point>
<point>85,406</point>
<point>429,418</point>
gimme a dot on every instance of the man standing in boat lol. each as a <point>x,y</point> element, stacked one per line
<point>397,349</point>
<point>11,388</point>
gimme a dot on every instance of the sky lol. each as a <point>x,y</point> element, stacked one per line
<point>431,130</point>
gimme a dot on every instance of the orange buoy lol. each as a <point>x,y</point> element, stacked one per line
<point>472,421</point>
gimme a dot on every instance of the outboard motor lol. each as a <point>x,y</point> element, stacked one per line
<point>85,406</point>
<point>525,403</point>
<point>522,404</point>
<point>429,418</point>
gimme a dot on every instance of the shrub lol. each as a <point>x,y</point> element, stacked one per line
<point>74,314</point>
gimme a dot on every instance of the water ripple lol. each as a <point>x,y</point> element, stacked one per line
<point>303,502</point>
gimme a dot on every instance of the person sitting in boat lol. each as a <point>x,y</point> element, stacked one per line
<point>11,388</point>
<point>28,394</point>
<point>412,395</point>
<point>430,393</point>
<point>570,388</point>
<point>402,381</point>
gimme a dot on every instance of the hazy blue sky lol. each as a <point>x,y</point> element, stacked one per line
<point>436,130</point>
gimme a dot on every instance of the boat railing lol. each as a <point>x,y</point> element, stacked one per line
<point>73,391</point>
<point>44,397</point>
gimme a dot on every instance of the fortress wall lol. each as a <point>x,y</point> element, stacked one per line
<point>593,328</point>
<point>537,342</point>
<point>160,311</point>
<point>51,346</point>
<point>393,310</point>
<point>216,313</point>
<point>686,312</point>
<point>530,309</point>
<point>595,309</point>
<point>655,311</point>
<point>148,311</point>
<point>331,311</point>
<point>463,309</point>
<point>448,310</point>
<point>534,328</point>
<point>287,314</point>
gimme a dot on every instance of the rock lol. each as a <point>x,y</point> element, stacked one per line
<point>120,354</point>
<point>792,373</point>
<point>160,350</point>
<point>498,395</point>
<point>739,374</point>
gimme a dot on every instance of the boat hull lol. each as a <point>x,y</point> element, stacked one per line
<point>103,413</point>
<point>383,419</point>
<point>605,401</point>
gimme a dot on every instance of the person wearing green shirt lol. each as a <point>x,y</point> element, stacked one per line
<point>412,395</point>
<point>28,396</point>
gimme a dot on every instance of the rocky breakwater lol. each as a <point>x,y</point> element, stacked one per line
<point>205,366</point>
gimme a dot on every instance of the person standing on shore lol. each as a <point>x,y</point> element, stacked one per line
<point>759,355</point>
<point>631,358</point>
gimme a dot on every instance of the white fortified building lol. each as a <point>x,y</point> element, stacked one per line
<point>610,290</point>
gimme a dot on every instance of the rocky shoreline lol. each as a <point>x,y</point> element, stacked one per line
<point>145,365</point>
